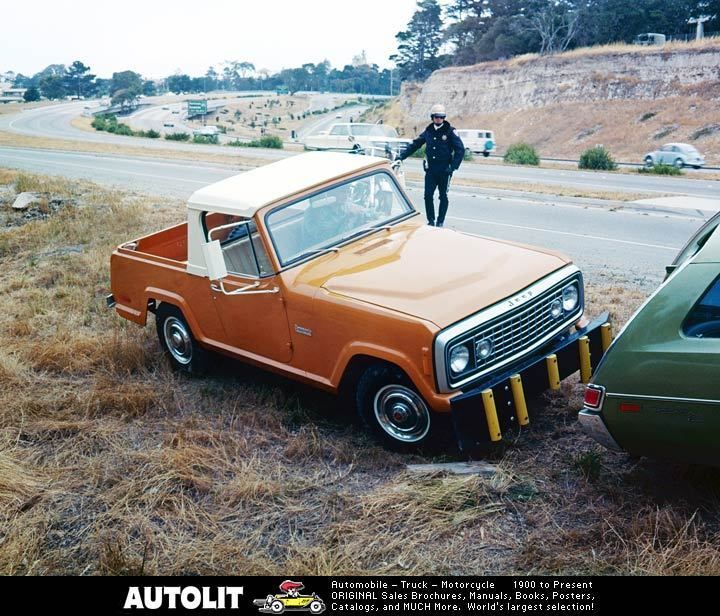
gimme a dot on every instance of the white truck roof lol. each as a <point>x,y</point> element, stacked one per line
<point>244,194</point>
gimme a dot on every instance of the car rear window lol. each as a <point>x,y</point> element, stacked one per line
<point>703,321</point>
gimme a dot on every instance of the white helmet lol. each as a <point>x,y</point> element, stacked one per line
<point>438,110</point>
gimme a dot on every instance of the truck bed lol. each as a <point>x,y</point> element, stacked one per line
<point>170,243</point>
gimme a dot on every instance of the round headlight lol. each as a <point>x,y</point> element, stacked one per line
<point>459,358</point>
<point>483,348</point>
<point>570,297</point>
<point>556,309</point>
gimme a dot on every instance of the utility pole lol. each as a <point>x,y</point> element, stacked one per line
<point>699,29</point>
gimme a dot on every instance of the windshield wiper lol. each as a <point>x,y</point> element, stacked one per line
<point>364,232</point>
<point>316,252</point>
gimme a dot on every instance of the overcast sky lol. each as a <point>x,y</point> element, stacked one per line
<point>157,37</point>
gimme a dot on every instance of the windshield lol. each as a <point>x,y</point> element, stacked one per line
<point>331,217</point>
<point>373,130</point>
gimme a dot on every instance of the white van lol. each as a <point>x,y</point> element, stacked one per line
<point>207,131</point>
<point>478,140</point>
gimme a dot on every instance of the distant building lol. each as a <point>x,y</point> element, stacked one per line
<point>8,94</point>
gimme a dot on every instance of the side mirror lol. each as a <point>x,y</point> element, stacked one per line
<point>214,260</point>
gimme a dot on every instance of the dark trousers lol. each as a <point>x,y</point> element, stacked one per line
<point>433,180</point>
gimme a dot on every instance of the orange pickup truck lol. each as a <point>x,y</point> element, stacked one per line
<point>318,267</point>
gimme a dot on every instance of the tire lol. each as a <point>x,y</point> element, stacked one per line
<point>316,607</point>
<point>178,342</point>
<point>277,607</point>
<point>486,154</point>
<point>649,161</point>
<point>679,164</point>
<point>392,409</point>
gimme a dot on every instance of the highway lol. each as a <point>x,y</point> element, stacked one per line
<point>55,121</point>
<point>610,244</point>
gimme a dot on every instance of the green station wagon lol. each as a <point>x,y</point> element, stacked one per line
<point>656,392</point>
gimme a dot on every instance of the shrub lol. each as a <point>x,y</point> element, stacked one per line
<point>661,169</point>
<point>268,141</point>
<point>152,134</point>
<point>123,129</point>
<point>597,158</point>
<point>205,139</point>
<point>177,136</point>
<point>104,121</point>
<point>521,154</point>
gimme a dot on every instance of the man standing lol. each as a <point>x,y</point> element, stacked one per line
<point>444,152</point>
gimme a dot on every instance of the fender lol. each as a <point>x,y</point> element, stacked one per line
<point>423,383</point>
<point>163,295</point>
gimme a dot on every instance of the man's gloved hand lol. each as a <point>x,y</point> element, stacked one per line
<point>449,170</point>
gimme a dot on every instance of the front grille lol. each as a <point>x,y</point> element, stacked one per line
<point>515,332</point>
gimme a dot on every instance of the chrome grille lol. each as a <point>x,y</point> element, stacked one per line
<point>516,331</point>
<point>520,330</point>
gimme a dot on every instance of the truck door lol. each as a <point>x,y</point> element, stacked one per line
<point>255,322</point>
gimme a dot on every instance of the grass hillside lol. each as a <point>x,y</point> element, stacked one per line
<point>112,464</point>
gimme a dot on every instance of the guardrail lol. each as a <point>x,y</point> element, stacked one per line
<point>575,162</point>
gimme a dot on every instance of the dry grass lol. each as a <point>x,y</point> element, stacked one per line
<point>610,49</point>
<point>224,156</point>
<point>112,464</point>
<point>566,130</point>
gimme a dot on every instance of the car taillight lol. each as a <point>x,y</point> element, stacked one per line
<point>594,396</point>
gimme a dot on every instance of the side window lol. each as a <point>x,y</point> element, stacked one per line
<point>241,245</point>
<point>339,130</point>
<point>703,321</point>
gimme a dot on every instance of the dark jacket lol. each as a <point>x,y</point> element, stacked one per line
<point>444,150</point>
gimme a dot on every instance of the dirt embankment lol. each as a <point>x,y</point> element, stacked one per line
<point>629,99</point>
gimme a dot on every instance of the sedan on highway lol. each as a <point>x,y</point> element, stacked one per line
<point>678,154</point>
<point>346,137</point>
<point>656,391</point>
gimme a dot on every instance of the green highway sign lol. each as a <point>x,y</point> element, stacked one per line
<point>197,108</point>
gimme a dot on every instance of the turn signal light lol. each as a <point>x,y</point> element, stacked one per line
<point>593,396</point>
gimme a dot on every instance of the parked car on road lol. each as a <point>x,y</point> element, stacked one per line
<point>678,154</point>
<point>345,137</point>
<point>318,267</point>
<point>656,392</point>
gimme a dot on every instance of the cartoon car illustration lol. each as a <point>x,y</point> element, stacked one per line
<point>290,599</point>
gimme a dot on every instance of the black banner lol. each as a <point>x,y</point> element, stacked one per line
<point>347,595</point>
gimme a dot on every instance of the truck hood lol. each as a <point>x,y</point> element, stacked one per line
<point>435,274</point>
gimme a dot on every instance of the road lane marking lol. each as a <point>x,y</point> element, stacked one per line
<point>580,235</point>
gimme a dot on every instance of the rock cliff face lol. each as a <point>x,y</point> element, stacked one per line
<point>630,99</point>
<point>568,78</point>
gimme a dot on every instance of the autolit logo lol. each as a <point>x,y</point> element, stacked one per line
<point>289,599</point>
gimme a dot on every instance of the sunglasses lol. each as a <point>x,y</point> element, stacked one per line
<point>437,115</point>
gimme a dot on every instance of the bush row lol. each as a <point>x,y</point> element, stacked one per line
<point>108,122</point>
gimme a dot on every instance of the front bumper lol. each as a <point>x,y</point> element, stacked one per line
<point>469,412</point>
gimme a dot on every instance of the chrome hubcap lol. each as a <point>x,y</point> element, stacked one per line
<point>178,340</point>
<point>402,413</point>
